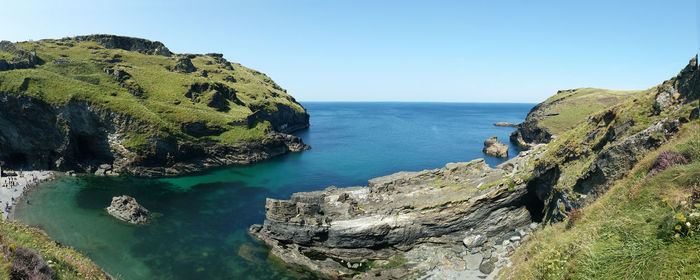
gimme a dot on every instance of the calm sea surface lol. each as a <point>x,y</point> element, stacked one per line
<point>200,230</point>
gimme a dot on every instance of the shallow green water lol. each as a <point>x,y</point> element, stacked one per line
<point>201,229</point>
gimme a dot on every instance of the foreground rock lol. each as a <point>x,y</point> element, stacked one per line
<point>126,208</point>
<point>494,148</point>
<point>337,231</point>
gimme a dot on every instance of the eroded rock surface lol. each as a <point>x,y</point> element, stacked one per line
<point>398,213</point>
<point>126,208</point>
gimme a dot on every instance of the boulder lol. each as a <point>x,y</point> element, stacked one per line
<point>184,65</point>
<point>474,240</point>
<point>100,172</point>
<point>495,148</point>
<point>487,267</point>
<point>126,208</point>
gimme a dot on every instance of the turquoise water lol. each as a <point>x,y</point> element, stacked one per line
<point>200,230</point>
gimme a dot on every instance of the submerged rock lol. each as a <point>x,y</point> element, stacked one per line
<point>126,208</point>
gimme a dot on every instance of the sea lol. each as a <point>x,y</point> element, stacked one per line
<point>201,220</point>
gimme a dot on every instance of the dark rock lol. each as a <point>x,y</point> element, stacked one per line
<point>126,208</point>
<point>230,79</point>
<point>184,65</point>
<point>127,43</point>
<point>487,267</point>
<point>284,119</point>
<point>200,129</point>
<point>219,98</point>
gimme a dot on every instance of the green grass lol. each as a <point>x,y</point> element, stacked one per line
<point>625,234</point>
<point>67,262</point>
<point>162,107</point>
<point>576,105</point>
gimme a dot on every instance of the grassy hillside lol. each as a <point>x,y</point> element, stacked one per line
<point>65,262</point>
<point>569,107</point>
<point>627,186</point>
<point>161,91</point>
<point>637,230</point>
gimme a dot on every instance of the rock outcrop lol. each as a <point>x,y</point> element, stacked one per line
<point>125,208</point>
<point>22,59</point>
<point>398,213</point>
<point>506,124</point>
<point>494,148</point>
<point>127,44</point>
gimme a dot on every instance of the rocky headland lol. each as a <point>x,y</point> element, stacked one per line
<point>464,220</point>
<point>135,108</point>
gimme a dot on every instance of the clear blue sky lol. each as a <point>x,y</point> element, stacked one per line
<point>475,51</point>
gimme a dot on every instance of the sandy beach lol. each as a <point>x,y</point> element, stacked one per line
<point>13,187</point>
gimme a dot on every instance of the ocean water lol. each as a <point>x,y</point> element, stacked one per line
<point>200,228</point>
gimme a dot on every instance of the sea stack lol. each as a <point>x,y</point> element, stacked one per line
<point>126,208</point>
<point>494,148</point>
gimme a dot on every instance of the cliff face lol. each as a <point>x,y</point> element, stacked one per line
<point>462,221</point>
<point>82,136</point>
<point>105,99</point>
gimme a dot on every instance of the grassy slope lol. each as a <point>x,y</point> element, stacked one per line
<point>164,107</point>
<point>576,105</point>
<point>67,263</point>
<point>629,232</point>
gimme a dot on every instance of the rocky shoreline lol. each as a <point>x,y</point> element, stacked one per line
<point>464,220</point>
<point>346,232</point>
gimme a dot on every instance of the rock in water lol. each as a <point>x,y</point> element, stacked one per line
<point>495,148</point>
<point>126,208</point>
<point>506,124</point>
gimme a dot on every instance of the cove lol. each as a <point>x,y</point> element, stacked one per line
<point>200,231</point>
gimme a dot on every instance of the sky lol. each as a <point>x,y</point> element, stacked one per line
<point>440,51</point>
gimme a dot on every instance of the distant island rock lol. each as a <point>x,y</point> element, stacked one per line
<point>506,124</point>
<point>126,208</point>
<point>495,148</point>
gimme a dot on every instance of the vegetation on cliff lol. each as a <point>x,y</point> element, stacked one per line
<point>26,253</point>
<point>151,88</point>
<point>644,227</point>
<point>106,98</point>
<point>630,206</point>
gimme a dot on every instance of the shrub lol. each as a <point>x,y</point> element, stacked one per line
<point>667,159</point>
<point>574,216</point>
<point>28,264</point>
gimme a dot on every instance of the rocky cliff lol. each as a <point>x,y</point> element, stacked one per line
<point>462,221</point>
<point>78,103</point>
